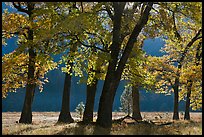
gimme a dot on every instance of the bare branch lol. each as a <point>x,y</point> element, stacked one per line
<point>175,29</point>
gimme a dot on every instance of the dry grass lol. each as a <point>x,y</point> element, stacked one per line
<point>44,123</point>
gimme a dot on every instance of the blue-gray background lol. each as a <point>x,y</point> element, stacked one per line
<point>50,98</point>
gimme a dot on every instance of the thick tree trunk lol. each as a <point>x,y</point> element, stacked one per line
<point>90,98</point>
<point>114,72</point>
<point>105,105</point>
<point>65,116</point>
<point>187,114</point>
<point>176,101</point>
<point>136,103</point>
<point>109,88</point>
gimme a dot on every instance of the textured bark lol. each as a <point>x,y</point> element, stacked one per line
<point>106,100</point>
<point>26,114</point>
<point>90,98</point>
<point>114,73</point>
<point>136,103</point>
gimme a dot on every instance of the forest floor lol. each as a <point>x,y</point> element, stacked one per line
<point>154,123</point>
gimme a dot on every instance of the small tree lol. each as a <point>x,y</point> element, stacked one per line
<point>126,100</point>
<point>80,109</point>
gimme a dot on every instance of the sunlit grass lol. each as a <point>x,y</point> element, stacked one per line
<point>45,124</point>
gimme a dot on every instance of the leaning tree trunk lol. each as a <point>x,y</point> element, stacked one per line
<point>136,103</point>
<point>26,115</point>
<point>90,98</point>
<point>106,100</point>
<point>115,69</point>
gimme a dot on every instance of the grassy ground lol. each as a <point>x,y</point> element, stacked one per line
<point>44,123</point>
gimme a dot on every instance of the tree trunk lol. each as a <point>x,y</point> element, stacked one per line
<point>176,102</point>
<point>65,116</point>
<point>26,114</point>
<point>109,88</point>
<point>105,105</point>
<point>90,98</point>
<point>190,82</point>
<point>136,103</point>
<point>187,114</point>
<point>114,71</point>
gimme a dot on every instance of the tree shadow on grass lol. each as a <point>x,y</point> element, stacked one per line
<point>85,129</point>
<point>101,131</point>
<point>21,131</point>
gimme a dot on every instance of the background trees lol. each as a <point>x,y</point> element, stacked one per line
<point>103,41</point>
<point>182,34</point>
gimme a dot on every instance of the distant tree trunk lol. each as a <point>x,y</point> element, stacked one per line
<point>187,114</point>
<point>136,103</point>
<point>26,115</point>
<point>176,101</point>
<point>190,82</point>
<point>90,98</point>
<point>183,55</point>
<point>65,116</point>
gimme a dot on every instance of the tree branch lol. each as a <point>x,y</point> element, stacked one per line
<point>133,37</point>
<point>189,45</point>
<point>90,46</point>
<point>175,29</point>
<point>19,8</point>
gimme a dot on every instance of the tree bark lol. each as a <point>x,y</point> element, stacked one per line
<point>187,107</point>
<point>65,115</point>
<point>90,98</point>
<point>114,72</point>
<point>106,100</point>
<point>26,114</point>
<point>136,103</point>
<point>176,112</point>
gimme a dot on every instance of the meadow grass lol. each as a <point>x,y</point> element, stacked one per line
<point>44,123</point>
